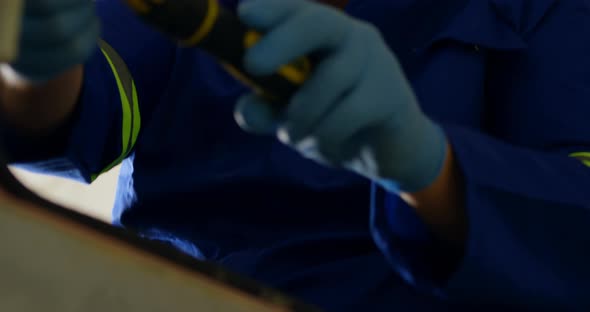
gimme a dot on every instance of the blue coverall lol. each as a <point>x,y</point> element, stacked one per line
<point>508,80</point>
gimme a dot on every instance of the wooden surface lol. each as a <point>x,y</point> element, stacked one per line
<point>53,259</point>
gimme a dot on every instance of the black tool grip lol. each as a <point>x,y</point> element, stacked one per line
<point>209,26</point>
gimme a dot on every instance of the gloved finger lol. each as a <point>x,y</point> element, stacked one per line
<point>42,64</point>
<point>330,82</point>
<point>299,35</point>
<point>338,134</point>
<point>256,116</point>
<point>265,14</point>
<point>52,7</point>
<point>54,30</point>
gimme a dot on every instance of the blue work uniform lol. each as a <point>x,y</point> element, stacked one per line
<point>509,82</point>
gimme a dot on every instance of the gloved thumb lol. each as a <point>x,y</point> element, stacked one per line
<point>255,115</point>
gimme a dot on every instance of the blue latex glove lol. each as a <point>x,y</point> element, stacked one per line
<point>356,111</point>
<point>56,35</point>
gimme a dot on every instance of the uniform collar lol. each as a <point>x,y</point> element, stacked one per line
<point>493,24</point>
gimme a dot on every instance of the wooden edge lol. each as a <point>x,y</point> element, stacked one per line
<point>30,205</point>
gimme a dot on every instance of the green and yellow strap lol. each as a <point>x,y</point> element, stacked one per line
<point>131,119</point>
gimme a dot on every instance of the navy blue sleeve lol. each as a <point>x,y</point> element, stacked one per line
<point>113,107</point>
<point>527,181</point>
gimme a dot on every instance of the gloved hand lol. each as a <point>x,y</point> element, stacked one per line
<point>56,35</point>
<point>357,110</point>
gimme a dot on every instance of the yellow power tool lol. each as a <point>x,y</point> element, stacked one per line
<point>207,25</point>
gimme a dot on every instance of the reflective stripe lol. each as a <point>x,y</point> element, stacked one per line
<point>131,120</point>
<point>584,157</point>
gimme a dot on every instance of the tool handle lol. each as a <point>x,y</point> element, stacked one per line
<point>209,26</point>
<point>10,18</point>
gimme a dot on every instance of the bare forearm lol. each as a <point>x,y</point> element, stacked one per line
<point>38,109</point>
<point>441,204</point>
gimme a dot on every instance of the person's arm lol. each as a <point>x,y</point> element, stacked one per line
<point>40,84</point>
<point>512,184</point>
<point>441,204</point>
<point>121,84</point>
<point>39,108</point>
<point>516,196</point>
